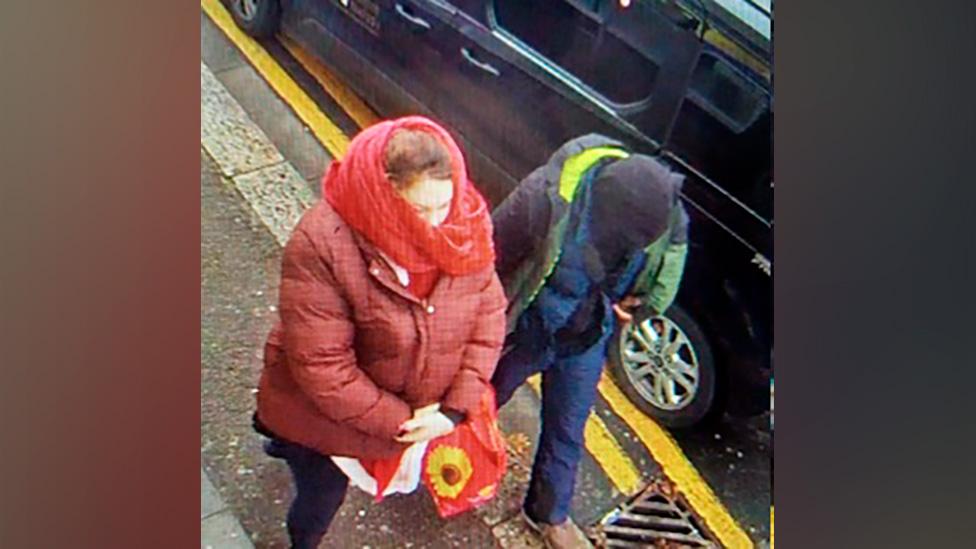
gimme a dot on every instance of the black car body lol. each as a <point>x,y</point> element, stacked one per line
<point>514,79</point>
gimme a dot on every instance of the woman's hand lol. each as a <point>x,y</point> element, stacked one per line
<point>425,426</point>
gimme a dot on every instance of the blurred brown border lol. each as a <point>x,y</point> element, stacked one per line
<point>100,284</point>
<point>875,123</point>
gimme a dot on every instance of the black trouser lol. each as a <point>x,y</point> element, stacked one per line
<point>569,387</point>
<point>320,488</point>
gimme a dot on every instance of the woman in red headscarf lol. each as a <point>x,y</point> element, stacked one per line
<point>391,320</point>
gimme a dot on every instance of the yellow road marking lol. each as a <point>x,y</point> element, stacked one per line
<point>677,468</point>
<point>607,452</point>
<point>324,129</point>
<point>771,528</point>
<point>360,113</point>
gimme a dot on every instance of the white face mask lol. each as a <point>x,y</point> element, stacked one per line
<point>431,199</point>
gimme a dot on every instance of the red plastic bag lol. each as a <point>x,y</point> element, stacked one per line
<point>464,468</point>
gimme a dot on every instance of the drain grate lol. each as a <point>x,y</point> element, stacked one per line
<point>653,519</point>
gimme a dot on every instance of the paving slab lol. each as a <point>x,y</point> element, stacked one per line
<point>278,195</point>
<point>222,531</point>
<point>210,502</point>
<point>228,134</point>
<point>276,119</point>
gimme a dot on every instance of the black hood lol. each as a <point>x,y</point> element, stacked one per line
<point>632,200</point>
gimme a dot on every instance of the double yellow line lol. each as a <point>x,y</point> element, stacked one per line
<point>600,442</point>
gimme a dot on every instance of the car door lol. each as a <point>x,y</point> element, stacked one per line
<point>421,39</point>
<point>530,74</point>
<point>384,49</point>
<point>722,137</point>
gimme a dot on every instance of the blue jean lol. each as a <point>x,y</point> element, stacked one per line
<point>320,488</point>
<point>568,393</point>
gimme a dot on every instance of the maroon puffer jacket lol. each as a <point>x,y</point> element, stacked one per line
<point>354,353</point>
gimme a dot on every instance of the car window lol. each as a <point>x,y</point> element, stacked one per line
<point>569,33</point>
<point>725,91</point>
<point>750,20</point>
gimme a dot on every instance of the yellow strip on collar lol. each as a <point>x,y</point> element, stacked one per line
<point>576,165</point>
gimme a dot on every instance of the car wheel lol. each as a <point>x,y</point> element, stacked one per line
<point>665,367</point>
<point>258,18</point>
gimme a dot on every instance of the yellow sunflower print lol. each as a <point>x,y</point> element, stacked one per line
<point>449,469</point>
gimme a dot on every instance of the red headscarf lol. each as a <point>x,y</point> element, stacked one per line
<point>359,190</point>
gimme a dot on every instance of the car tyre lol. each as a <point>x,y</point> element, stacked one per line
<point>258,18</point>
<point>695,406</point>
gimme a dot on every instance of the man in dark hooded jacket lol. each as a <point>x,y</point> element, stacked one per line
<point>596,234</point>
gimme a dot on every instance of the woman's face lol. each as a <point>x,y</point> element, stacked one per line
<point>430,197</point>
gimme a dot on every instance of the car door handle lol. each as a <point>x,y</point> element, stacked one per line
<point>413,19</point>
<point>472,60</point>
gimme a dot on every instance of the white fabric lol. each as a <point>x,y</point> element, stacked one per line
<point>405,480</point>
<point>402,275</point>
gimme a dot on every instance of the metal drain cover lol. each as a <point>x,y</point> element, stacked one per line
<point>655,519</point>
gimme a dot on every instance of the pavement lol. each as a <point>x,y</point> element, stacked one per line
<point>218,525</point>
<point>261,160</point>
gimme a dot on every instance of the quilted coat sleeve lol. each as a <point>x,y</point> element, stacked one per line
<point>665,287</point>
<point>318,338</point>
<point>481,353</point>
<point>520,223</point>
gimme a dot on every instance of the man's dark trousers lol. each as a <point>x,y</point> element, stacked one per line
<point>569,383</point>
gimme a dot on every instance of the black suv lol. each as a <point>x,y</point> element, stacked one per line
<point>689,81</point>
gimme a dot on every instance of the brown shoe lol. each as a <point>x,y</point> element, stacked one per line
<point>559,536</point>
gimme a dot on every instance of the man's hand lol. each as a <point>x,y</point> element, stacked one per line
<point>623,308</point>
<point>623,316</point>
